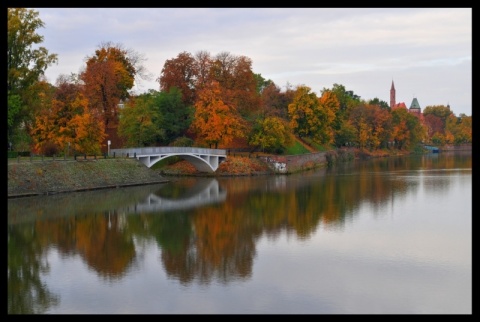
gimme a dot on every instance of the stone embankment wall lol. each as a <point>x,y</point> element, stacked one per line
<point>296,163</point>
<point>459,147</point>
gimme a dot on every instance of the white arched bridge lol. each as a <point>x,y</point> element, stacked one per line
<point>204,160</point>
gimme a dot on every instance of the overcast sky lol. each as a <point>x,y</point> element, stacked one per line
<point>427,52</point>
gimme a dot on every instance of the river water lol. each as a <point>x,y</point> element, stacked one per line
<point>383,236</point>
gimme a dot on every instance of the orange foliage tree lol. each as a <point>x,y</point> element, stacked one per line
<point>109,75</point>
<point>69,122</point>
<point>215,122</point>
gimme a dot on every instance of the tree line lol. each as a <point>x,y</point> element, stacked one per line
<point>203,100</point>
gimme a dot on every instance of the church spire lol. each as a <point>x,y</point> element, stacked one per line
<point>392,96</point>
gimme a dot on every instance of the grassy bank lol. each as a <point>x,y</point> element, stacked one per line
<point>48,177</point>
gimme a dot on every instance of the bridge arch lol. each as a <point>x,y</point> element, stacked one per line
<point>203,159</point>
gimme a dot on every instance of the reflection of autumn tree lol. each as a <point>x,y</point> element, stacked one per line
<point>221,246</point>
<point>224,240</point>
<point>108,249</point>
<point>26,292</point>
<point>98,238</point>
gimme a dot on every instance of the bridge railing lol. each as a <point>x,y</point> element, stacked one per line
<point>167,149</point>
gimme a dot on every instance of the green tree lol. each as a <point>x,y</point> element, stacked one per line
<point>26,64</point>
<point>176,116</point>
<point>346,135</point>
<point>347,99</point>
<point>382,104</point>
<point>262,83</point>
<point>139,121</point>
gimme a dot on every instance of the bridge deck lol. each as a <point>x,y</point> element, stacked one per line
<point>205,160</point>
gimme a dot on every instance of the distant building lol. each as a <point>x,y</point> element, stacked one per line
<point>414,107</point>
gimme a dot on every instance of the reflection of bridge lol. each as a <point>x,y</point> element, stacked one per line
<point>208,191</point>
<point>204,160</point>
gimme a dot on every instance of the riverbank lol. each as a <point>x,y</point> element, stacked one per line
<point>28,178</point>
<point>50,177</point>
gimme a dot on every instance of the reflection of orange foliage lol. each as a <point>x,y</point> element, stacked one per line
<point>224,239</point>
<point>105,249</point>
<point>216,231</point>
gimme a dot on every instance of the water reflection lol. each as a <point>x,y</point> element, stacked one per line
<point>203,233</point>
<point>204,192</point>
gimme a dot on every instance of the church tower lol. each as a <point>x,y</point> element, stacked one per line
<point>392,96</point>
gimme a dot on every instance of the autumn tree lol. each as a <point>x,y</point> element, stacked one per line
<point>237,82</point>
<point>434,124</point>
<point>440,111</point>
<point>360,119</point>
<point>458,129</point>
<point>303,112</point>
<point>374,125</point>
<point>327,110</point>
<point>26,64</point>
<point>435,117</point>
<point>180,72</point>
<point>204,63</point>
<point>407,130</point>
<point>68,122</point>
<point>274,102</point>
<point>381,126</point>
<point>109,75</point>
<point>464,130</point>
<point>271,134</point>
<point>215,122</point>
<point>347,99</point>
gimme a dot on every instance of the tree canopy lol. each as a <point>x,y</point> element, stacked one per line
<point>26,64</point>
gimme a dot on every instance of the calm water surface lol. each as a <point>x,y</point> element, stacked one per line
<point>384,236</point>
